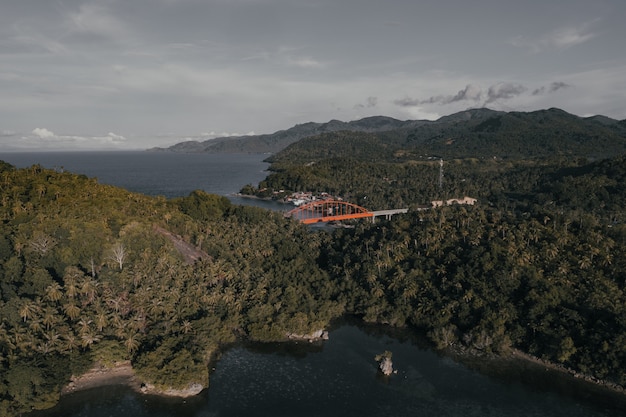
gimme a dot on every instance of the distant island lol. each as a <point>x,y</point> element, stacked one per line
<point>93,276</point>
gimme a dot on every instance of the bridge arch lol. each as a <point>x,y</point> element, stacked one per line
<point>328,210</point>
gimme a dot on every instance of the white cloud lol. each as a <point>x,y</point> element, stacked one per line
<point>43,133</point>
<point>212,134</point>
<point>44,139</point>
<point>112,137</point>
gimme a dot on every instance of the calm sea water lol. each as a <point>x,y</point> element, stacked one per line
<point>159,173</point>
<point>336,378</point>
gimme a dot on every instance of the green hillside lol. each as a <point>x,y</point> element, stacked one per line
<point>90,272</point>
<point>488,155</point>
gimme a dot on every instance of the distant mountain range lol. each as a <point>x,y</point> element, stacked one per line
<point>274,142</point>
<point>492,131</point>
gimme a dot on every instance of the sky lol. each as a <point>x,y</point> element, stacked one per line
<point>133,74</point>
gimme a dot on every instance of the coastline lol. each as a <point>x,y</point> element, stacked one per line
<point>526,367</point>
<point>525,357</point>
<point>121,373</point>
<point>254,197</point>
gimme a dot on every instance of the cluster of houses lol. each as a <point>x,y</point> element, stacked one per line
<point>300,198</point>
<point>465,200</point>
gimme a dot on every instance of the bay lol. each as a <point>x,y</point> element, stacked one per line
<point>334,378</point>
<point>339,377</point>
<point>160,173</point>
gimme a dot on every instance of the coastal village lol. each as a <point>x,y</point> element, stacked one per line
<point>301,198</point>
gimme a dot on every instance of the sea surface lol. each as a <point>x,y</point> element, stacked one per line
<point>159,173</point>
<point>335,378</point>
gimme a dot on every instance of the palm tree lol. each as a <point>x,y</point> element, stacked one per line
<point>49,317</point>
<point>84,325</point>
<point>186,326</point>
<point>52,338</point>
<point>131,341</point>
<point>101,319</point>
<point>35,325</point>
<point>28,310</point>
<point>584,262</point>
<point>53,292</point>
<point>89,289</point>
<point>71,310</point>
<point>89,338</point>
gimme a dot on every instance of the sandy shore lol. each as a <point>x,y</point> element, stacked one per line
<point>120,374</point>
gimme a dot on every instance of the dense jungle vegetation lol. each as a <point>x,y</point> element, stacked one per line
<point>91,272</point>
<point>538,264</point>
<point>94,273</point>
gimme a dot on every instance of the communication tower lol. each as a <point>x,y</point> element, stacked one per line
<point>440,173</point>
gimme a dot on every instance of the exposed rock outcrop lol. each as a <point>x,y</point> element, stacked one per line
<point>311,337</point>
<point>385,365</point>
<point>191,390</point>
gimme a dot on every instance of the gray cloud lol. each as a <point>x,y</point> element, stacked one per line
<point>407,102</point>
<point>504,91</point>
<point>471,93</point>
<point>553,87</point>
<point>370,103</point>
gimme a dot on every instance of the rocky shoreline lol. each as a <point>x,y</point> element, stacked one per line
<point>122,373</point>
<point>516,358</point>
<point>519,355</point>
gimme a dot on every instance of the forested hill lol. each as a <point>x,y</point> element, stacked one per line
<point>536,264</point>
<point>540,134</point>
<point>274,142</point>
<point>476,132</point>
<point>94,273</point>
<point>479,133</point>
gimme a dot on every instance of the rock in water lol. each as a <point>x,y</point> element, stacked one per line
<point>386,366</point>
<point>384,362</point>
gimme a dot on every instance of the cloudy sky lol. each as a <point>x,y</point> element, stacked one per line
<point>131,74</point>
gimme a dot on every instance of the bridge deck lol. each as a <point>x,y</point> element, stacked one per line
<point>390,212</point>
<point>330,210</point>
<point>325,219</point>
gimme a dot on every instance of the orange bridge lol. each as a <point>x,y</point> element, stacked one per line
<point>332,210</point>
